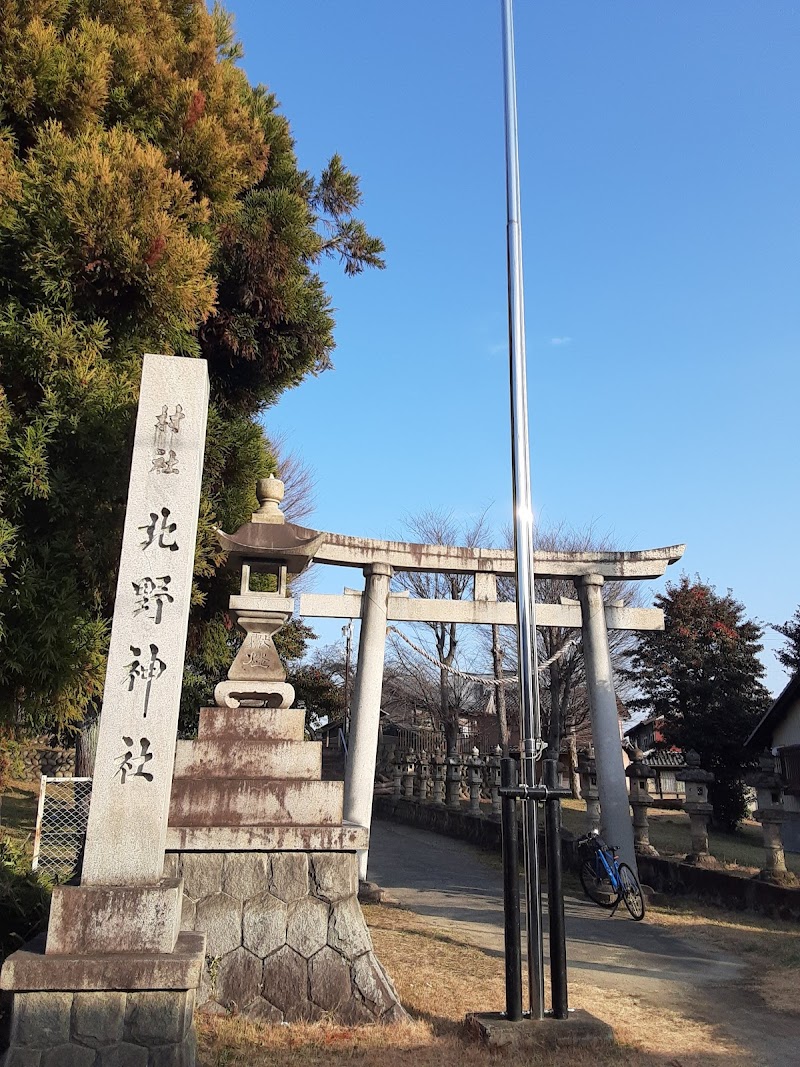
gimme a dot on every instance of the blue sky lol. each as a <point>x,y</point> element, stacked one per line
<point>660,174</point>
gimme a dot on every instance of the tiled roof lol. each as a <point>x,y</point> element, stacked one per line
<point>663,758</point>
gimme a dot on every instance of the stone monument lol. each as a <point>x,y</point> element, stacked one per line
<point>269,866</point>
<point>114,981</point>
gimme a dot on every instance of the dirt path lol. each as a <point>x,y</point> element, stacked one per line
<point>458,889</point>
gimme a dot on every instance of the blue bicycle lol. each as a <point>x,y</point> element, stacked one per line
<point>606,880</point>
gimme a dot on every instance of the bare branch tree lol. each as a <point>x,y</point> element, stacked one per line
<point>441,528</point>
<point>300,482</point>
<point>564,696</point>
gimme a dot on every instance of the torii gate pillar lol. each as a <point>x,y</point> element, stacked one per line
<point>365,718</point>
<point>612,785</point>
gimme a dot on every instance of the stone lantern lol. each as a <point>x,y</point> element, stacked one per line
<point>256,675</point>
<point>639,772</point>
<point>439,772</point>
<point>270,864</point>
<point>698,808</point>
<point>587,769</point>
<point>769,788</point>
<point>475,772</point>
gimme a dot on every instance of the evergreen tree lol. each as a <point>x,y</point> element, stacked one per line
<point>703,674</point>
<point>789,655</point>
<point>150,200</point>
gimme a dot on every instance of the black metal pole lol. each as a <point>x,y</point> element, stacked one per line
<point>555,895</point>
<point>510,837</point>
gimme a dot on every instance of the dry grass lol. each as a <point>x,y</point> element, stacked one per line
<point>769,947</point>
<point>18,812</point>
<point>439,981</point>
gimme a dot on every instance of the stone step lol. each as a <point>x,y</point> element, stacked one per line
<point>251,724</point>
<point>249,759</point>
<point>255,802</point>
<point>345,838</point>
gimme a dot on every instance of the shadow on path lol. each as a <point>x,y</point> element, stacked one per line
<point>459,889</point>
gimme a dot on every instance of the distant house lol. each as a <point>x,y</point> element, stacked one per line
<point>779,731</point>
<point>648,736</point>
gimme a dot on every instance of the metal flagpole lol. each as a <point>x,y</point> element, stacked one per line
<point>523,525</point>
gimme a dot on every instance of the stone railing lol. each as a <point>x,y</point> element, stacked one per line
<point>458,782</point>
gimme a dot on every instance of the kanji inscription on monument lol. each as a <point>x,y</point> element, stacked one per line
<point>138,725</point>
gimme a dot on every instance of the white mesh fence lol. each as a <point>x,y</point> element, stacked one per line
<point>61,826</point>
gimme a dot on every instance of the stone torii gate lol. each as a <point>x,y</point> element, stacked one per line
<point>269,541</point>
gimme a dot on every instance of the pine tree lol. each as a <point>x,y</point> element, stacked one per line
<point>789,655</point>
<point>150,200</point>
<point>703,674</point>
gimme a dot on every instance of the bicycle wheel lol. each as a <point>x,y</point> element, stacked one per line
<point>631,892</point>
<point>600,890</point>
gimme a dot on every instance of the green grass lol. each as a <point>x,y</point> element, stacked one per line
<point>669,835</point>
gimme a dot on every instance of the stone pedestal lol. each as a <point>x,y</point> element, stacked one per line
<point>774,869</point>
<point>270,874</point>
<point>286,937</point>
<point>103,1010</point>
<point>534,1036</point>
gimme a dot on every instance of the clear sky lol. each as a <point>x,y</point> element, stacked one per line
<point>660,157</point>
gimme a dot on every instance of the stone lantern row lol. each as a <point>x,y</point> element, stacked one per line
<point>446,781</point>
<point>770,813</point>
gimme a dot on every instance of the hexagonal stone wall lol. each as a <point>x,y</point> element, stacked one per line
<point>286,937</point>
<point>101,1029</point>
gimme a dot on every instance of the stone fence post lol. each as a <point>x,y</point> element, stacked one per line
<point>769,788</point>
<point>696,804</point>
<point>638,773</point>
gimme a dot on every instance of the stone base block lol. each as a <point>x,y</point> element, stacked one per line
<point>495,1031</point>
<point>286,937</point>
<point>30,969</point>
<point>255,802</point>
<point>703,859</point>
<point>346,837</point>
<point>89,919</point>
<point>248,759</point>
<point>101,1029</point>
<point>785,878</point>
<point>230,694</point>
<point>251,724</point>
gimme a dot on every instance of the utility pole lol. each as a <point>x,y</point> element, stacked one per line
<point>347,631</point>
